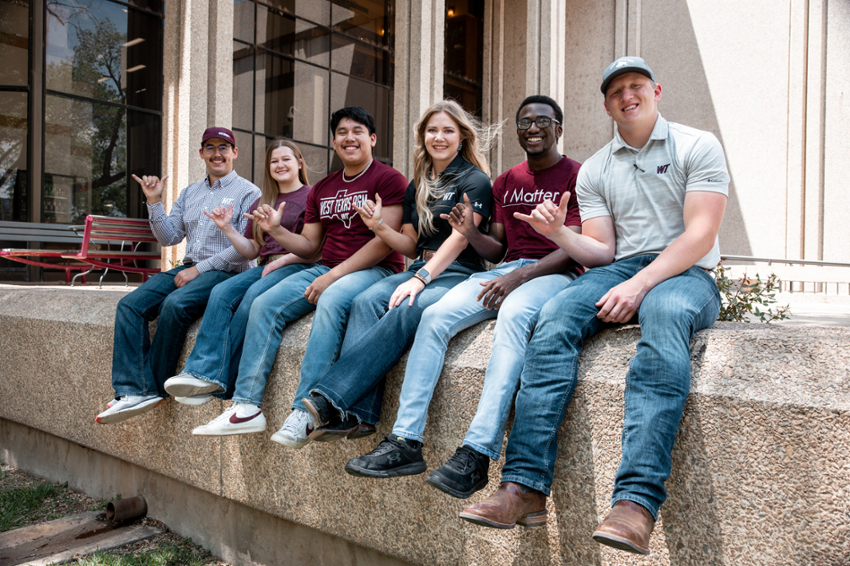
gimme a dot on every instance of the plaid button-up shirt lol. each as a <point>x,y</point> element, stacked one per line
<point>206,245</point>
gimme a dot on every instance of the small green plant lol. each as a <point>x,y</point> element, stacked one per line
<point>104,502</point>
<point>746,298</point>
<point>176,263</point>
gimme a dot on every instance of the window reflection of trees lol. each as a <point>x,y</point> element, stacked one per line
<point>96,133</point>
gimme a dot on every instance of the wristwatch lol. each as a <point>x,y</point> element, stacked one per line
<point>424,275</point>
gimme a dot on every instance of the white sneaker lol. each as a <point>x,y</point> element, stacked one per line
<point>295,430</point>
<point>240,418</point>
<point>194,400</point>
<point>185,385</point>
<point>128,406</point>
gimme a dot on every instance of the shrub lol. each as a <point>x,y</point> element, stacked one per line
<point>747,298</point>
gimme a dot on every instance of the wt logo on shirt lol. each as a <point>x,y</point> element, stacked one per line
<point>662,169</point>
<point>341,206</point>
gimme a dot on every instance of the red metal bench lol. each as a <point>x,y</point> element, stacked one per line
<point>54,240</point>
<point>107,243</point>
<point>101,233</point>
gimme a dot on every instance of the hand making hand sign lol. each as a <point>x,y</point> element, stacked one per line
<point>152,187</point>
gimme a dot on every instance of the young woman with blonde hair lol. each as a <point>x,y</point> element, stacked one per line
<point>449,167</point>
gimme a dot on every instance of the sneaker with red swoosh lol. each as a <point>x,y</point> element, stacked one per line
<point>240,418</point>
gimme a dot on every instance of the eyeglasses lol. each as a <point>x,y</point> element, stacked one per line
<point>222,149</point>
<point>542,122</point>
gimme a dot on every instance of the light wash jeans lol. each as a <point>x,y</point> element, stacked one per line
<point>657,381</point>
<point>141,366</point>
<point>285,303</point>
<point>377,338</point>
<point>457,311</point>
<point>218,347</point>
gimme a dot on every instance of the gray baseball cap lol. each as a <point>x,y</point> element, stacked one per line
<point>625,65</point>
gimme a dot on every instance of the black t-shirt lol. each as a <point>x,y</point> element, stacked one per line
<point>464,178</point>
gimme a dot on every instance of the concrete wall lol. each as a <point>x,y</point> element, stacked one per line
<point>768,78</point>
<point>761,468</point>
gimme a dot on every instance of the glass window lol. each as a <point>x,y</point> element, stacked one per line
<point>316,159</point>
<point>464,49</point>
<point>273,88</point>
<point>14,42</point>
<point>13,156</point>
<point>366,20</point>
<point>318,11</point>
<point>243,164</point>
<point>285,53</point>
<point>92,148</point>
<point>288,35</point>
<point>362,61</point>
<point>243,21</point>
<point>98,49</point>
<point>310,107</point>
<point>260,158</point>
<point>377,100</point>
<point>243,86</point>
<point>152,5</point>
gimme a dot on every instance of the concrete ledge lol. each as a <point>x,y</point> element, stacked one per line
<point>761,473</point>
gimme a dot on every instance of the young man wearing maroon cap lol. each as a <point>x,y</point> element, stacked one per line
<point>177,297</point>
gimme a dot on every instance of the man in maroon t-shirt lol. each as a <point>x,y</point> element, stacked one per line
<point>534,271</point>
<point>353,258</point>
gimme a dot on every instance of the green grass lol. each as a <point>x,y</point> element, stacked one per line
<point>18,504</point>
<point>104,502</point>
<point>165,555</point>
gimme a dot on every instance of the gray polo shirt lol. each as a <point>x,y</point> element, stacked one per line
<point>643,190</point>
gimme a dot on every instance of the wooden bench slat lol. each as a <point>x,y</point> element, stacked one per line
<point>112,254</point>
<point>22,252</point>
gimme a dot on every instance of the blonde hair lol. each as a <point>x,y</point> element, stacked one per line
<point>476,140</point>
<point>270,189</point>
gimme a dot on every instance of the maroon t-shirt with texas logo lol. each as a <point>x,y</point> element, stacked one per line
<point>519,189</point>
<point>332,201</point>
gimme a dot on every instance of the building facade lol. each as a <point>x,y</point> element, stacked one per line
<point>92,91</point>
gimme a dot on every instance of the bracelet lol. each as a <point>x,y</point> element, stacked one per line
<point>421,279</point>
<point>381,221</point>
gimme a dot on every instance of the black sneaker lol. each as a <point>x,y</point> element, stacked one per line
<point>464,473</point>
<point>320,409</point>
<point>346,428</point>
<point>393,457</point>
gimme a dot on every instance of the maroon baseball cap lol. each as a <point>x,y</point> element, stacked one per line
<point>222,133</point>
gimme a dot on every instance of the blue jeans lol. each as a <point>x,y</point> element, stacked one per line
<point>285,303</point>
<point>377,338</point>
<point>657,381</point>
<point>457,311</point>
<point>218,347</point>
<point>141,366</point>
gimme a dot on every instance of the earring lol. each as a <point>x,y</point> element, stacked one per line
<point>460,146</point>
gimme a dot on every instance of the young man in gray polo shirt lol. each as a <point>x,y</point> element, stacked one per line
<point>651,202</point>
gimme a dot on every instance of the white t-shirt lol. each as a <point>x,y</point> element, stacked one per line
<point>643,191</point>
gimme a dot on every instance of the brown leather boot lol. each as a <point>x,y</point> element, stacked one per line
<point>627,527</point>
<point>508,507</point>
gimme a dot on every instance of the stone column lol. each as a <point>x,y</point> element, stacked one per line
<point>523,55</point>
<point>815,101</point>
<point>420,25</point>
<point>198,77</point>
